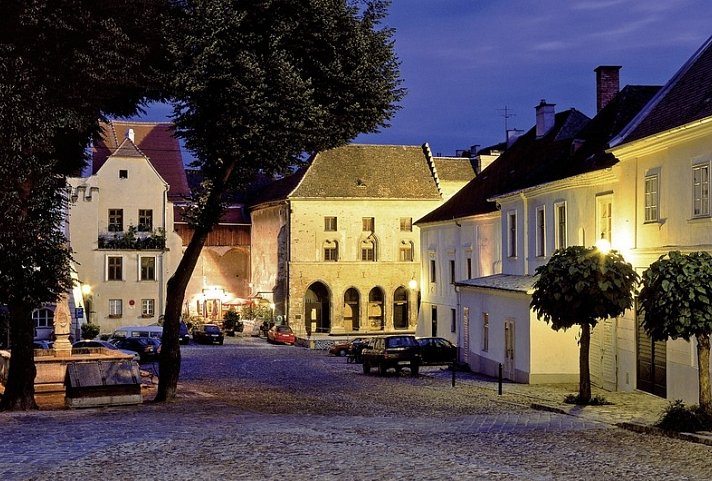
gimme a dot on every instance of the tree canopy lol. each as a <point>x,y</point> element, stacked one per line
<point>63,65</point>
<point>581,286</point>
<point>261,83</point>
<point>676,302</point>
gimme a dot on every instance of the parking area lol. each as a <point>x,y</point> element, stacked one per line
<point>252,410</point>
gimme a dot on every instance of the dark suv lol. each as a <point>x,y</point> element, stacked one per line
<point>392,352</point>
<point>148,348</point>
<point>208,334</point>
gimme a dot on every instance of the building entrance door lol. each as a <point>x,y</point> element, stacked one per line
<point>317,303</point>
<point>651,359</point>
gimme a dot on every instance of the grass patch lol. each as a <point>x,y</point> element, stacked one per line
<point>596,400</point>
<point>681,418</point>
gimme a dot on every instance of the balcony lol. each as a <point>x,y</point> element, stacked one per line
<point>134,239</point>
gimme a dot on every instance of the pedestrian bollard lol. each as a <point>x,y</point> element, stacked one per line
<point>452,366</point>
<point>500,379</point>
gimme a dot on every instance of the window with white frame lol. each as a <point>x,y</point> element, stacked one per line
<point>701,190</point>
<point>148,307</point>
<point>560,220</point>
<point>652,196</point>
<point>43,317</point>
<point>116,308</point>
<point>540,232</point>
<point>147,271</point>
<point>604,217</point>
<point>485,331</point>
<point>114,268</point>
<point>512,234</point>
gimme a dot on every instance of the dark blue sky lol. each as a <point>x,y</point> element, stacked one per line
<point>463,61</point>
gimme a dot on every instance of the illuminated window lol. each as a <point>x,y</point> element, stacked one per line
<point>652,188</point>
<point>368,224</point>
<point>604,217</point>
<point>560,220</point>
<point>406,251</point>
<point>701,190</point>
<point>540,232</point>
<point>406,224</point>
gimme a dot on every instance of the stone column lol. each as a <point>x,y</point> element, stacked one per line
<point>62,326</point>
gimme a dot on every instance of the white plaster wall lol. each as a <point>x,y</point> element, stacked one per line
<point>88,217</point>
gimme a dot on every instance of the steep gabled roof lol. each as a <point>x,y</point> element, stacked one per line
<point>575,148</point>
<point>687,97</point>
<point>454,169</point>
<point>369,172</point>
<point>155,140</point>
<point>528,161</point>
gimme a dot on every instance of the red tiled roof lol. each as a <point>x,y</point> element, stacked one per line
<point>156,141</point>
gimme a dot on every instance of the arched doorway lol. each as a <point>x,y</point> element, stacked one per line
<point>317,309</point>
<point>400,308</point>
<point>375,309</point>
<point>352,316</point>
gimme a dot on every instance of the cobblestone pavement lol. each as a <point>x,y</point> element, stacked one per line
<point>249,410</point>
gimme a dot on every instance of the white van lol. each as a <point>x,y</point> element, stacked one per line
<point>138,331</point>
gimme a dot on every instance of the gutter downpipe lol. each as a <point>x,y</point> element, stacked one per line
<point>525,228</point>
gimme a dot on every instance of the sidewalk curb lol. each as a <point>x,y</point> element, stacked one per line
<point>642,428</point>
<point>705,439</point>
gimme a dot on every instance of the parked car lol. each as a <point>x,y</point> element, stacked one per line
<point>392,352</point>
<point>282,334</point>
<point>340,348</point>
<point>208,334</point>
<point>96,343</point>
<point>357,346</point>
<point>251,327</point>
<point>148,348</point>
<point>436,350</point>
<point>138,331</point>
<point>183,334</point>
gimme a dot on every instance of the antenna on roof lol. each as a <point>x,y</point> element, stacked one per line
<point>506,113</point>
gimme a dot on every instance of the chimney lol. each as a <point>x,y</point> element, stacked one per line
<point>544,118</point>
<point>130,135</point>
<point>607,84</point>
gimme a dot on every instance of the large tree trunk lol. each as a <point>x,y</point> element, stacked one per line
<point>169,362</point>
<point>703,369</point>
<point>20,388</point>
<point>584,372</point>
